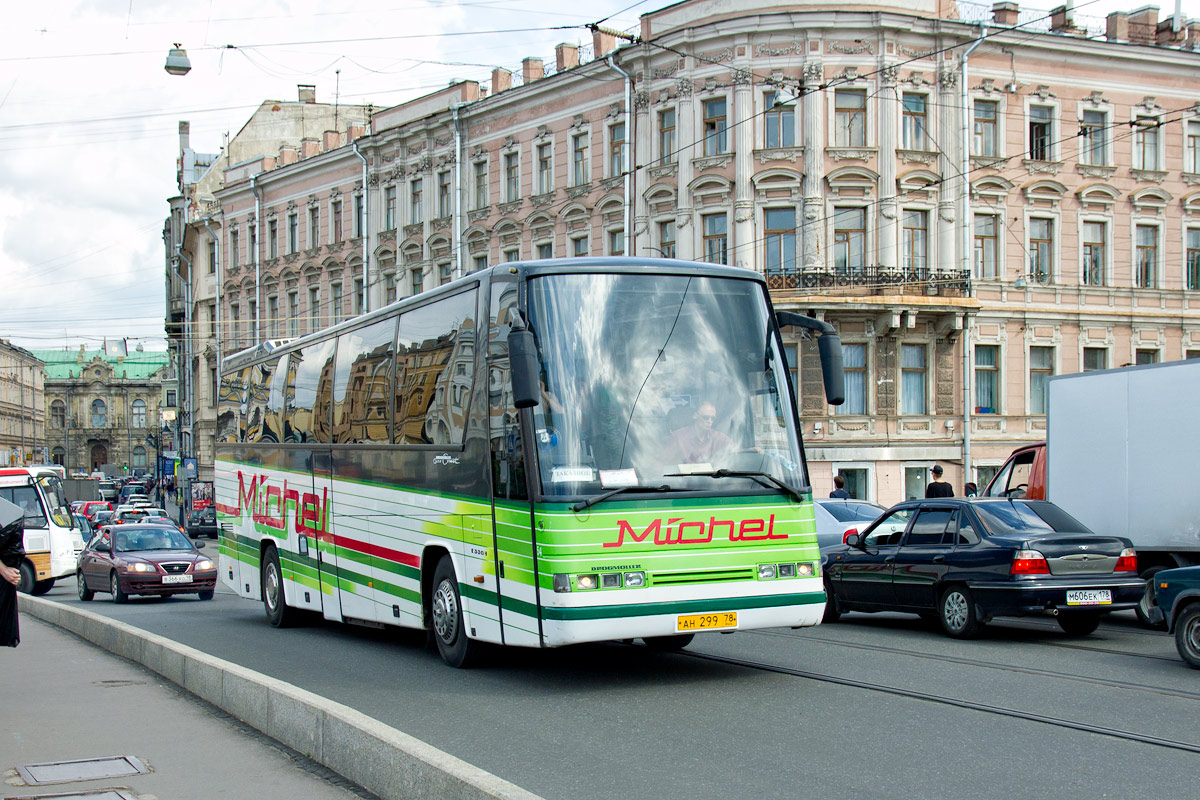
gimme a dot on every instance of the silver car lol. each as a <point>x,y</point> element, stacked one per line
<point>836,518</point>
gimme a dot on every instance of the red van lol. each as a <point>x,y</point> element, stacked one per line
<point>1023,475</point>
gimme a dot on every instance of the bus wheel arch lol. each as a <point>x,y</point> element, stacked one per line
<point>449,630</point>
<point>273,589</point>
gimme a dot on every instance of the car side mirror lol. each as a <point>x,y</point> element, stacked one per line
<point>853,540</point>
<point>199,545</point>
<point>102,547</point>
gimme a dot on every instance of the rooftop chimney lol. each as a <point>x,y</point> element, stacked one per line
<point>1167,35</point>
<point>1116,27</point>
<point>309,147</point>
<point>308,93</point>
<point>1005,13</point>
<point>603,43</point>
<point>287,155</point>
<point>532,70</point>
<point>566,56</point>
<point>331,140</point>
<point>501,80</point>
<point>354,131</point>
<point>1143,25</point>
<point>184,138</point>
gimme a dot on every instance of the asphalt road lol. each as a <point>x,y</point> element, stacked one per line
<point>621,721</point>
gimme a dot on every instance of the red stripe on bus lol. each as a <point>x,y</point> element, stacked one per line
<point>408,559</point>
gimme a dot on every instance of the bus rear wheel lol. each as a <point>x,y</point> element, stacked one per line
<point>41,587</point>
<point>455,648</point>
<point>280,614</point>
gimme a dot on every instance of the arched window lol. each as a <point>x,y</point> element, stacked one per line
<point>99,414</point>
<point>58,414</point>
<point>139,457</point>
<point>138,415</point>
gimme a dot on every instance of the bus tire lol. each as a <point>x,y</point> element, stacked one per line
<point>41,587</point>
<point>114,586</point>
<point>668,644</point>
<point>28,578</point>
<point>279,613</point>
<point>449,631</point>
<point>85,594</point>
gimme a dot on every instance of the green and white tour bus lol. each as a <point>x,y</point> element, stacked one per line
<point>536,454</point>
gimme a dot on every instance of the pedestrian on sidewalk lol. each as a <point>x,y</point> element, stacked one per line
<point>840,492</point>
<point>938,487</point>
<point>12,552</point>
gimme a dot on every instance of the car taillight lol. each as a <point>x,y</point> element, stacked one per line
<point>1029,562</point>
<point>847,534</point>
<point>1127,561</point>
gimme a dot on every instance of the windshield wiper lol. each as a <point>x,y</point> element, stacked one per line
<point>600,498</point>
<point>761,478</point>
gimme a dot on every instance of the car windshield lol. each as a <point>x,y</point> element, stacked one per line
<point>150,539</point>
<point>654,375</point>
<point>1027,517</point>
<point>849,512</point>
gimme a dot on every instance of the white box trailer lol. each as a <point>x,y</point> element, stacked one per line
<point>1122,453</point>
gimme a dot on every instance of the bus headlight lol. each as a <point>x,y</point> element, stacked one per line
<point>806,569</point>
<point>787,570</point>
<point>610,580</point>
<point>766,572</point>
<point>562,583</point>
<point>587,582</point>
<point>634,579</point>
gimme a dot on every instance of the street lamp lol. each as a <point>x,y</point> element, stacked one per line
<point>177,61</point>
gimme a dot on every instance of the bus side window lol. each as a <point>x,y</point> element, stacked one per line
<point>362,383</point>
<point>508,462</point>
<point>260,386</point>
<point>231,409</point>
<point>311,391</point>
<point>273,427</point>
<point>437,346</point>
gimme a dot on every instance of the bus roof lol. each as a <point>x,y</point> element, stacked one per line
<point>550,266</point>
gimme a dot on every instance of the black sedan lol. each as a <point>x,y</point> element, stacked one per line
<point>202,523</point>
<point>963,562</point>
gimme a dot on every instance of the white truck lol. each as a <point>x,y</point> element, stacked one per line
<point>1120,456</point>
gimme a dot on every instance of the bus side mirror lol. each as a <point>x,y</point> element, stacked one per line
<point>829,345</point>
<point>523,363</point>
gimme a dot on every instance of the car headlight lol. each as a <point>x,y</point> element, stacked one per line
<point>204,564</point>
<point>140,566</point>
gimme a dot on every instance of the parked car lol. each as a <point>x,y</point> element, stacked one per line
<point>1177,606</point>
<point>202,523</point>
<point>838,518</point>
<point>144,559</point>
<point>964,562</point>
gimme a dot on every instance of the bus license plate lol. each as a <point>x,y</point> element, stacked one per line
<point>1089,597</point>
<point>177,578</point>
<point>686,623</point>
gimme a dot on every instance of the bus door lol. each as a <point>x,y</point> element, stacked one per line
<point>319,522</point>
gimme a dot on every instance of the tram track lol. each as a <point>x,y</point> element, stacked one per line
<point>971,705</point>
<point>971,662</point>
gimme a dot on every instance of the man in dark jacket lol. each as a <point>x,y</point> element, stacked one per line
<point>12,553</point>
<point>938,487</point>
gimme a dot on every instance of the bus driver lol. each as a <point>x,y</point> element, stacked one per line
<point>698,443</point>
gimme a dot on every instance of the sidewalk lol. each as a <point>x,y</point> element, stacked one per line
<point>66,699</point>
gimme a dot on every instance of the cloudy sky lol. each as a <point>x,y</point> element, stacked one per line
<point>88,120</point>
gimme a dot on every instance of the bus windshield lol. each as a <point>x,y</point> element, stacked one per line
<point>56,499</point>
<point>645,377</point>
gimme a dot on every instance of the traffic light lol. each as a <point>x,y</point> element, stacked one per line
<point>124,468</point>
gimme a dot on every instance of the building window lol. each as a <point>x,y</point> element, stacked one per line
<point>139,457</point>
<point>850,117</point>
<point>914,123</point>
<point>716,242</point>
<point>389,208</point>
<point>212,258</point>
<point>481,262</point>
<point>780,240</point>
<point>272,239</point>
<point>666,238</point>
<point>481,197</point>
<point>779,122</point>
<point>666,136</point>
<point>252,318</point>
<point>1144,356</point>
<point>137,416</point>
<point>579,246</point>
<point>616,243</point>
<point>985,246</point>
<point>293,232</point>
<point>314,228</point>
<point>1041,249</point>
<point>335,214</point>
<point>360,215</point>
<point>1041,132</point>
<point>1093,131</point>
<point>170,399</point>
<point>579,159</point>
<point>314,309</point>
<point>335,290</point>
<point>1041,367</point>
<point>99,414</point>
<point>545,168</point>
<point>984,141</point>
<point>253,254</point>
<point>1191,156</point>
<point>416,214</point>
<point>987,379</point>
<point>235,322</point>
<point>912,379</point>
<point>418,280</point>
<point>234,252</point>
<point>1145,264</point>
<point>389,288</point>
<point>849,238</point>
<point>854,363</point>
<point>1095,358</point>
<point>444,204</point>
<point>1193,259</point>
<point>293,314</point>
<point>545,250</point>
<point>1145,143</point>
<point>272,317</point>
<point>445,275</point>
<point>616,150</point>
<point>1095,236</point>
<point>716,125</point>
<point>512,177</point>
<point>915,242</point>
<point>58,414</point>
<point>358,296</point>
<point>512,254</point>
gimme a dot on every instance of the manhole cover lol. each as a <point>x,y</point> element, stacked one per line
<point>88,769</point>
<point>99,794</point>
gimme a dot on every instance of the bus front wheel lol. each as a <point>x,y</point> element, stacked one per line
<point>455,648</point>
<point>41,587</point>
<point>28,578</point>
<point>280,614</point>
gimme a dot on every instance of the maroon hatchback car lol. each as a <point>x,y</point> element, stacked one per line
<point>144,559</point>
